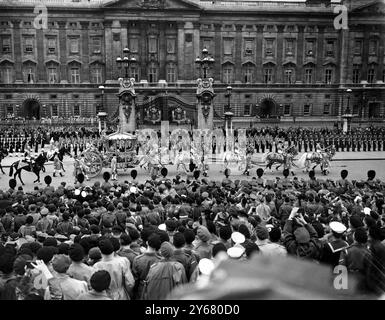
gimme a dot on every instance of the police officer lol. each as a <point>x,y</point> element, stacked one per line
<point>335,244</point>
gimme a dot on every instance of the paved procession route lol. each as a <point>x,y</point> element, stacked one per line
<point>357,163</point>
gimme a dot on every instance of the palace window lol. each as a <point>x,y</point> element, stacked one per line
<point>6,45</point>
<point>134,73</point>
<point>307,109</point>
<point>76,110</point>
<point>29,73</point>
<point>289,75</point>
<point>28,45</point>
<point>358,47</point>
<point>74,45</point>
<point>269,47</point>
<point>328,78</point>
<point>309,75</point>
<point>330,48</point>
<point>228,47</point>
<point>327,108</point>
<point>54,110</point>
<point>6,73</point>
<point>96,45</point>
<point>52,73</point>
<point>170,45</point>
<point>356,74</point>
<point>287,110</point>
<point>96,73</point>
<point>228,74</point>
<point>152,73</point>
<point>248,74</point>
<point>249,47</point>
<point>373,44</point>
<point>310,48</point>
<point>247,110</point>
<point>268,75</point>
<point>134,45</point>
<point>371,74</point>
<point>152,45</point>
<point>75,74</point>
<point>171,73</point>
<point>289,47</point>
<point>51,45</point>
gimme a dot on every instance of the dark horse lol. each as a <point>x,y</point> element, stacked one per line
<point>35,167</point>
<point>3,154</point>
<point>61,153</point>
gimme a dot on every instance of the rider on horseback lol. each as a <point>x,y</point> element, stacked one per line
<point>281,147</point>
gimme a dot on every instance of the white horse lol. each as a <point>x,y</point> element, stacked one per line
<point>317,158</point>
<point>231,159</point>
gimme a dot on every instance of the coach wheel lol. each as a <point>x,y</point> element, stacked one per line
<point>94,163</point>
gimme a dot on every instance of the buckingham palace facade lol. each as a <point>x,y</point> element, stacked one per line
<point>286,61</point>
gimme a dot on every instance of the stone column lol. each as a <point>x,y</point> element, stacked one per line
<point>110,59</point>
<point>343,56</point>
<point>162,51</point>
<point>143,50</point>
<point>85,76</point>
<point>365,54</point>
<point>18,51</point>
<point>180,51</point>
<point>320,55</point>
<point>63,51</point>
<point>238,52</point>
<point>300,49</point>
<point>41,74</point>
<point>280,52</point>
<point>381,53</point>
<point>259,53</point>
<point>196,41</point>
<point>218,51</point>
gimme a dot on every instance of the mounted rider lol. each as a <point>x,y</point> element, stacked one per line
<point>281,147</point>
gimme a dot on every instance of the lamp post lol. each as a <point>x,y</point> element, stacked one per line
<point>204,63</point>
<point>102,115</point>
<point>125,62</point>
<point>347,114</point>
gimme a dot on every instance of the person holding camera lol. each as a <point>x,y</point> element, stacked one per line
<point>300,238</point>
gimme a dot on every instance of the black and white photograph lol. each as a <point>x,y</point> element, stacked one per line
<point>205,151</point>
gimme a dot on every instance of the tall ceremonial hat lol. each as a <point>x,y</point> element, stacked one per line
<point>134,174</point>
<point>12,183</point>
<point>164,172</point>
<point>48,179</point>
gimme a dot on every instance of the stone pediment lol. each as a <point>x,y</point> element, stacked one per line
<point>373,8</point>
<point>153,4</point>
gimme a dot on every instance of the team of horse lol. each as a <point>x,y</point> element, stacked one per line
<point>153,161</point>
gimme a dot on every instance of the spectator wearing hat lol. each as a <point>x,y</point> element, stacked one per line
<point>62,286</point>
<point>332,249</point>
<point>100,282</point>
<point>356,256</point>
<point>44,224</point>
<point>203,246</point>
<point>142,263</point>
<point>164,275</point>
<point>122,281</point>
<point>78,269</point>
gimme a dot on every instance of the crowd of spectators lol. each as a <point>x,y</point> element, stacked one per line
<point>130,240</point>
